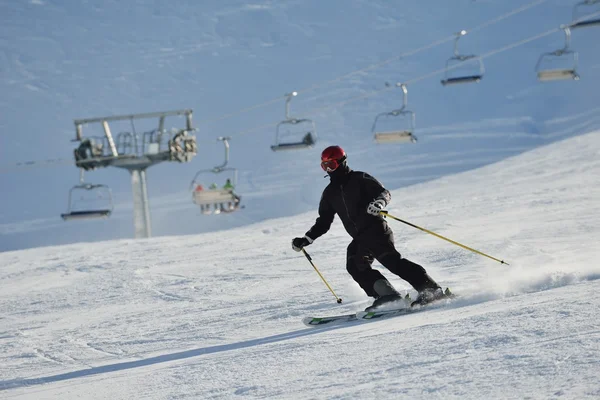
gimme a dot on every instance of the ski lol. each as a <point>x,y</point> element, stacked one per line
<point>331,320</point>
<point>376,314</point>
<point>411,308</point>
<point>364,316</point>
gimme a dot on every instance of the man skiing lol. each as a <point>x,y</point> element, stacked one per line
<point>358,199</point>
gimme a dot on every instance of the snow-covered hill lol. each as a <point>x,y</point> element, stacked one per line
<point>65,60</point>
<point>217,315</point>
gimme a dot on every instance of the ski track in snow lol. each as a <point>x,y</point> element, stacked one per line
<point>179,317</point>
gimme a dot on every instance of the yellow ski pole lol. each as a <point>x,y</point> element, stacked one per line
<point>386,214</point>
<point>339,299</point>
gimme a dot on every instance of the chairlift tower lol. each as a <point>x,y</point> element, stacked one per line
<point>136,154</point>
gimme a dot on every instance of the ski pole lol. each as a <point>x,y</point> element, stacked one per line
<point>339,299</point>
<point>386,214</point>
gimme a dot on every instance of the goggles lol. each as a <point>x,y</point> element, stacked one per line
<point>330,165</point>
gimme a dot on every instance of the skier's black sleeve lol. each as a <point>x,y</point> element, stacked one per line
<point>324,220</point>
<point>375,190</point>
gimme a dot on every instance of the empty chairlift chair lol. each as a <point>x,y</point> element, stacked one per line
<point>294,133</point>
<point>88,201</point>
<point>586,14</point>
<point>223,198</point>
<point>462,68</point>
<point>396,126</point>
<point>560,64</point>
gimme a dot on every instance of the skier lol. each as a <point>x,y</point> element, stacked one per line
<point>358,198</point>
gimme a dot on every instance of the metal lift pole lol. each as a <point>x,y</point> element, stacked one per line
<point>141,211</point>
<point>137,159</point>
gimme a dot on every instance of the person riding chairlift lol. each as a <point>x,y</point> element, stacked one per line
<point>204,208</point>
<point>218,206</point>
<point>230,187</point>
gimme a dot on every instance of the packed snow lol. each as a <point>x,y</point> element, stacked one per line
<point>218,315</point>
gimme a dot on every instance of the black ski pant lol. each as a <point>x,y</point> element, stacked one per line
<point>378,243</point>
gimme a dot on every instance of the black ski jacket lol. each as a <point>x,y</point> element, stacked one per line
<point>349,198</point>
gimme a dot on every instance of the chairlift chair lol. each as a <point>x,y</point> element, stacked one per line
<point>102,194</point>
<point>582,21</point>
<point>207,197</point>
<point>405,134</point>
<point>461,60</point>
<point>304,130</point>
<point>545,74</point>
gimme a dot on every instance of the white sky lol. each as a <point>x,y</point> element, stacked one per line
<point>218,316</point>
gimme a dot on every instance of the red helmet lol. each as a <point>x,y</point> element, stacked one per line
<point>332,157</point>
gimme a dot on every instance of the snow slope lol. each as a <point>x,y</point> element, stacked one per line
<point>69,59</point>
<point>217,315</point>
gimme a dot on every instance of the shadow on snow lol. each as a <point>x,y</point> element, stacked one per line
<point>17,383</point>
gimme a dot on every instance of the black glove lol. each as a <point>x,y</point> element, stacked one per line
<point>299,243</point>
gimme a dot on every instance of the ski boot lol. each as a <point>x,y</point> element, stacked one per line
<point>396,298</point>
<point>430,295</point>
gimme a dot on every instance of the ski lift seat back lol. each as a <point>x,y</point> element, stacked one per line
<point>462,79</point>
<point>95,214</point>
<point>208,197</point>
<point>307,141</point>
<point>557,75</point>
<point>395,137</point>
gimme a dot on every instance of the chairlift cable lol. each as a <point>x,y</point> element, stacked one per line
<point>507,15</point>
<point>419,78</point>
<point>37,164</point>
<point>23,165</point>
<point>441,70</point>
<point>381,63</point>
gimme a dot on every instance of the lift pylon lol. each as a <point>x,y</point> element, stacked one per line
<point>136,154</point>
